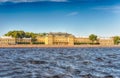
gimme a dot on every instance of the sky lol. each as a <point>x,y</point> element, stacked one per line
<point>78,17</point>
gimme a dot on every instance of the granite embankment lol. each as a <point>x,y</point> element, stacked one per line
<point>53,46</point>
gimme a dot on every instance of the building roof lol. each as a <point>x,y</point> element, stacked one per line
<point>59,34</point>
<point>6,37</point>
<point>105,38</point>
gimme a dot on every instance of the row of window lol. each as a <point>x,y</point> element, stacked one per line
<point>7,40</point>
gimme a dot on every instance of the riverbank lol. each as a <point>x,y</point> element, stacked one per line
<point>54,46</point>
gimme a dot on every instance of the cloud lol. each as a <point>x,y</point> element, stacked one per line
<point>17,1</point>
<point>59,0</point>
<point>107,8</point>
<point>114,9</point>
<point>72,13</point>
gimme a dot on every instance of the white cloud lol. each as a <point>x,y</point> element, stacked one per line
<point>32,0</point>
<point>72,13</point>
<point>114,9</point>
<point>108,8</point>
<point>59,0</point>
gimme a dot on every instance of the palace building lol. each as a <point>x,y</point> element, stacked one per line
<point>69,39</point>
<point>7,40</point>
<point>58,38</point>
<point>106,41</point>
<point>23,41</point>
<point>82,40</point>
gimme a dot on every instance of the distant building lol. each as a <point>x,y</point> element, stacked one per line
<point>23,41</point>
<point>69,39</point>
<point>41,39</point>
<point>82,40</point>
<point>106,41</point>
<point>8,40</point>
<point>57,39</point>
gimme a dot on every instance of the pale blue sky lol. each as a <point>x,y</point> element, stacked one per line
<point>78,17</point>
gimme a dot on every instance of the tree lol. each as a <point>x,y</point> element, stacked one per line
<point>42,34</point>
<point>16,34</point>
<point>116,40</point>
<point>93,38</point>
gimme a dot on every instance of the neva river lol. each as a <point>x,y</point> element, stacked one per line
<point>60,63</point>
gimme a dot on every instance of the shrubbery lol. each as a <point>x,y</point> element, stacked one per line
<point>82,43</point>
<point>23,42</point>
<point>38,43</point>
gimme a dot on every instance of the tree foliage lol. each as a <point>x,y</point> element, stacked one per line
<point>22,34</point>
<point>42,34</point>
<point>116,39</point>
<point>93,37</point>
<point>16,34</point>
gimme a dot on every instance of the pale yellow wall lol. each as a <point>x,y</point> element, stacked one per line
<point>41,39</point>
<point>60,39</point>
<point>49,40</point>
<point>7,41</point>
<point>23,40</point>
<point>82,40</point>
<point>71,40</point>
<point>13,40</point>
<point>106,41</point>
<point>57,40</point>
<point>46,40</point>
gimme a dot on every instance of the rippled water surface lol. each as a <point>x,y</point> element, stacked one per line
<point>60,63</point>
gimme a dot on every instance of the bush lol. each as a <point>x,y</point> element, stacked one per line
<point>38,43</point>
<point>83,43</point>
<point>23,42</point>
<point>80,43</point>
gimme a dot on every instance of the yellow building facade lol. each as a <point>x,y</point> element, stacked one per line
<point>8,40</point>
<point>57,39</point>
<point>5,40</point>
<point>23,40</point>
<point>106,41</point>
<point>69,39</point>
<point>82,40</point>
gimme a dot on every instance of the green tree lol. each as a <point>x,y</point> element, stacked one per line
<point>44,34</point>
<point>93,38</point>
<point>27,34</point>
<point>116,40</point>
<point>16,34</point>
<point>22,34</point>
<point>41,34</point>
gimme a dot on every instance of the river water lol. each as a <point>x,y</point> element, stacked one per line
<point>60,63</point>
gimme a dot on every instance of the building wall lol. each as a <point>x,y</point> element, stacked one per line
<point>56,39</point>
<point>82,40</point>
<point>41,39</point>
<point>49,40</point>
<point>60,40</point>
<point>23,40</point>
<point>108,41</point>
<point>71,40</point>
<point>7,41</point>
